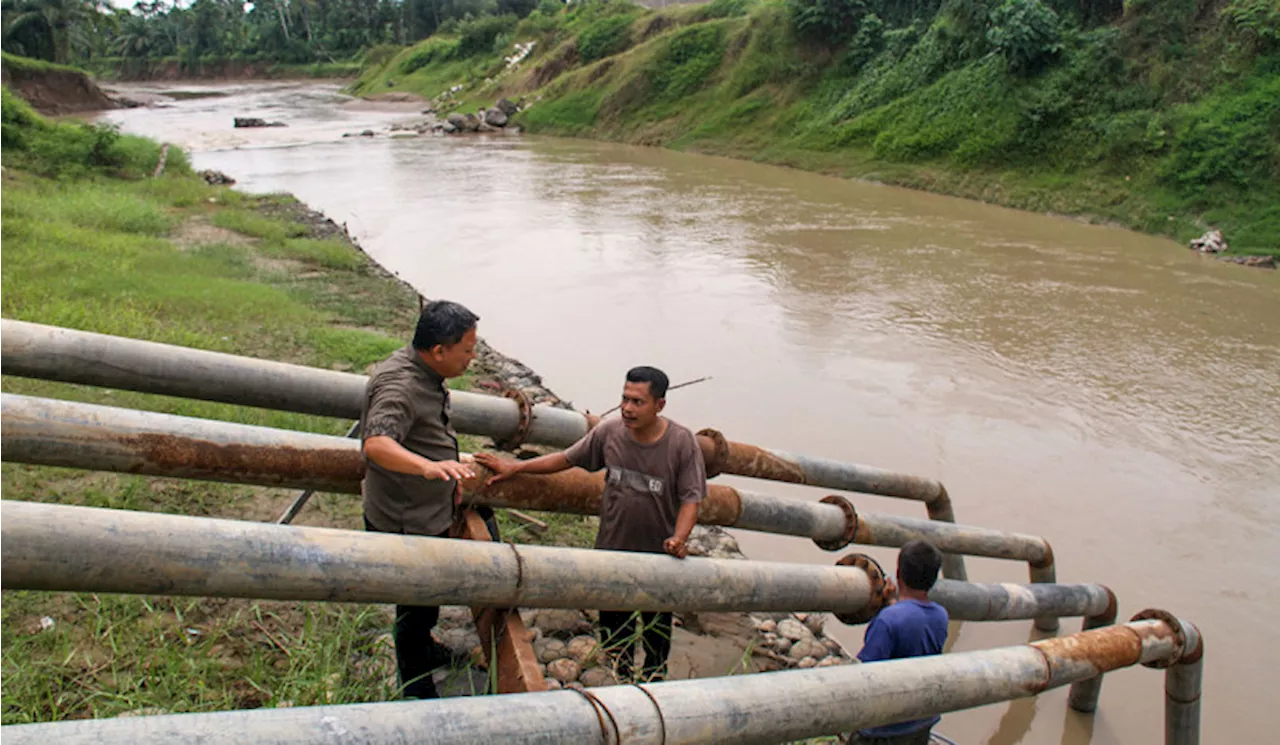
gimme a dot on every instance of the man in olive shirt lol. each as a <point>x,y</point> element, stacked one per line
<point>412,472</point>
<point>654,481</point>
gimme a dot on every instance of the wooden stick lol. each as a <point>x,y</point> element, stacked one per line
<point>672,388</point>
<point>530,519</point>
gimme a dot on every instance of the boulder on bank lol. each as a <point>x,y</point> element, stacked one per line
<point>495,118</point>
<point>506,106</point>
<point>250,122</point>
<point>1211,242</point>
<point>216,178</point>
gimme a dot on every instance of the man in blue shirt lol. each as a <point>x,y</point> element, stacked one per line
<point>912,626</point>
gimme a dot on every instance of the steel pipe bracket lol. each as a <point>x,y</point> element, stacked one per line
<point>850,523</point>
<point>715,464</point>
<point>524,424</point>
<point>878,582</point>
<point>1179,635</point>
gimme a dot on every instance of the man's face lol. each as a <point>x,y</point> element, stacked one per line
<point>452,360</point>
<point>639,408</point>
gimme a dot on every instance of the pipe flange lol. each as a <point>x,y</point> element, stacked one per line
<point>715,466</point>
<point>878,582</point>
<point>850,523</point>
<point>1179,635</point>
<point>523,425</point>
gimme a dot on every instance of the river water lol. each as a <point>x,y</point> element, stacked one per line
<point>1113,392</point>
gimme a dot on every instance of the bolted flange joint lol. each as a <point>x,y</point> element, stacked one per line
<point>879,586</point>
<point>850,524</point>
<point>1179,635</point>
<point>524,424</point>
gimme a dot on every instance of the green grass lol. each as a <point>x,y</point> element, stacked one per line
<point>177,261</point>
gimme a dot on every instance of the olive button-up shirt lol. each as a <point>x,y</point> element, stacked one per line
<point>407,401</point>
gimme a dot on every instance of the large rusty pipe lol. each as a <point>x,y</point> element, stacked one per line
<point>78,435</point>
<point>88,549</point>
<point>764,708</point>
<point>53,353</point>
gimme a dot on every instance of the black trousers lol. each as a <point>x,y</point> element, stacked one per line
<point>618,629</point>
<point>418,654</point>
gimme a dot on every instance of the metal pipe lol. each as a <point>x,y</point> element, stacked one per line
<point>966,601</point>
<point>52,353</point>
<point>77,435</point>
<point>87,549</point>
<point>34,350</point>
<point>762,708</point>
<point>1182,701</point>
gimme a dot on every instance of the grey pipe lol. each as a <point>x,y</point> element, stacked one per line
<point>78,435</point>
<point>762,708</point>
<point>1182,703</point>
<point>34,350</point>
<point>87,549</point>
<point>966,601</point>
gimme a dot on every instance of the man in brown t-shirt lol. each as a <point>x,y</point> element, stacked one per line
<point>412,471</point>
<point>654,480</point>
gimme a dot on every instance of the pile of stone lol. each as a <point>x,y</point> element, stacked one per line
<point>1213,243</point>
<point>796,640</point>
<point>493,119</point>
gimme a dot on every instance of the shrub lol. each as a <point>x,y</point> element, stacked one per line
<point>1256,23</point>
<point>830,22</point>
<point>432,51</point>
<point>1027,33</point>
<point>1232,138</point>
<point>690,56</point>
<point>605,36</point>
<point>477,35</point>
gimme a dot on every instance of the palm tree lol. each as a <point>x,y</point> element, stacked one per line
<point>43,28</point>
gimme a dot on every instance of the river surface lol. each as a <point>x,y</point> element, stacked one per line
<point>1111,391</point>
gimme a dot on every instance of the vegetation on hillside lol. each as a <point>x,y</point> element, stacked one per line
<point>1162,116</point>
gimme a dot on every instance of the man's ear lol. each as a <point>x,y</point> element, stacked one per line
<point>662,404</point>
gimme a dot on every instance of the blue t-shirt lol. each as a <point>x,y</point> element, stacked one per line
<point>908,628</point>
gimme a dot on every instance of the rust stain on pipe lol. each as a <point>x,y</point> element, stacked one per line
<point>579,491</point>
<point>341,467</point>
<point>749,460</point>
<point>1103,650</point>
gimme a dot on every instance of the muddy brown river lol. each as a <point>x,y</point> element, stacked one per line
<point>1111,391</point>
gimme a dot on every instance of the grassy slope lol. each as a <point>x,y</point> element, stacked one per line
<point>91,244</point>
<point>1168,122</point>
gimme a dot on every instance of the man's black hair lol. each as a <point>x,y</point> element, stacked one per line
<point>918,563</point>
<point>442,322</point>
<point>656,379</point>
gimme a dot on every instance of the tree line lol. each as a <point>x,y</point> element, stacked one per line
<point>287,31</point>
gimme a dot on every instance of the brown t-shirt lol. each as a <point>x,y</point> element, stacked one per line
<point>644,484</point>
<point>408,402</point>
